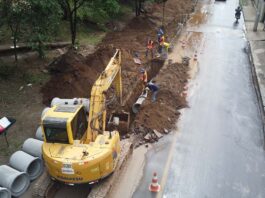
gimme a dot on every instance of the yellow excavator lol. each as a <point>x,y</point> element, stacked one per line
<point>76,147</point>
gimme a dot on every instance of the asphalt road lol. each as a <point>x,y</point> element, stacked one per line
<point>218,148</point>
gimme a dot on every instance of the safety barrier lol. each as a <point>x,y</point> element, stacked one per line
<point>17,182</point>
<point>5,193</point>
<point>24,162</point>
<point>33,147</point>
<point>74,101</point>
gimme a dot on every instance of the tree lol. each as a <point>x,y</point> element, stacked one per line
<point>15,11</point>
<point>72,7</point>
<point>43,20</point>
<point>99,11</point>
<point>138,7</point>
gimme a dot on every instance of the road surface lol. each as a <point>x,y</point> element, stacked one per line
<point>218,148</point>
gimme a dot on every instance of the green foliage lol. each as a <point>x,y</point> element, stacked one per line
<point>99,11</point>
<point>6,70</point>
<point>40,78</point>
<point>43,20</point>
<point>14,12</point>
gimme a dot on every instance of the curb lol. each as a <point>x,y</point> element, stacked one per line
<point>257,90</point>
<point>6,50</point>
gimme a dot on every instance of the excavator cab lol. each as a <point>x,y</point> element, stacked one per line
<point>65,124</point>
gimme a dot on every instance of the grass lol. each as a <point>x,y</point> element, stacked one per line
<point>35,78</point>
<point>85,34</point>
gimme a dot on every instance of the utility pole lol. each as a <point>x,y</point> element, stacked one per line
<point>259,7</point>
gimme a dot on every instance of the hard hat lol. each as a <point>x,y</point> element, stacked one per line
<point>142,70</point>
<point>147,89</point>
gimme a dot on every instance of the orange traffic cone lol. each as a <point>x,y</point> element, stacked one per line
<point>195,58</point>
<point>154,186</point>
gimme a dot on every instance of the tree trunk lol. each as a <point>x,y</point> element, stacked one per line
<point>73,15</point>
<point>15,47</point>
<point>75,18</point>
<point>137,12</point>
<point>72,29</point>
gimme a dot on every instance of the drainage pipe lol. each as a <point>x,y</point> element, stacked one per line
<point>5,193</point>
<point>17,182</point>
<point>39,134</point>
<point>136,106</point>
<point>74,101</point>
<point>26,163</point>
<point>33,147</point>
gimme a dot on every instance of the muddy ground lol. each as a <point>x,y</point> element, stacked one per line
<point>73,74</point>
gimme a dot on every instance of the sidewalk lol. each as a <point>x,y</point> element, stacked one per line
<point>256,42</point>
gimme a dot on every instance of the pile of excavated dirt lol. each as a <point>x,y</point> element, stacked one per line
<point>73,75</point>
<point>163,113</point>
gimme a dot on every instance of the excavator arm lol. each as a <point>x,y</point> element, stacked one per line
<point>97,110</point>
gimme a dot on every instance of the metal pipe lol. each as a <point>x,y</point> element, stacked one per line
<point>17,182</point>
<point>5,193</point>
<point>26,163</point>
<point>33,147</point>
<point>136,106</point>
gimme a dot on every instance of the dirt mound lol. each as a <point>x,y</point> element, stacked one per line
<point>73,75</point>
<point>163,113</point>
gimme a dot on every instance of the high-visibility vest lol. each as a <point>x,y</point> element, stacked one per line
<point>161,40</point>
<point>144,77</point>
<point>150,44</point>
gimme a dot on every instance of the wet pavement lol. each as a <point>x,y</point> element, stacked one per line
<point>218,148</point>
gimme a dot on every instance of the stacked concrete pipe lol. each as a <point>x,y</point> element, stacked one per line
<point>44,111</point>
<point>33,147</point>
<point>39,134</point>
<point>5,193</point>
<point>24,162</point>
<point>136,106</point>
<point>74,101</point>
<point>17,182</point>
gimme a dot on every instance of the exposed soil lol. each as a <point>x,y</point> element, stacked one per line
<point>163,113</point>
<point>73,75</point>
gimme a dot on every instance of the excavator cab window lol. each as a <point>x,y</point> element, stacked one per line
<point>79,124</point>
<point>55,130</point>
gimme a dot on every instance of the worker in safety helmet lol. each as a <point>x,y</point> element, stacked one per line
<point>153,88</point>
<point>150,48</point>
<point>143,77</point>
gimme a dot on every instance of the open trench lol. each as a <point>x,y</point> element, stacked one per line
<point>59,190</point>
<point>76,75</point>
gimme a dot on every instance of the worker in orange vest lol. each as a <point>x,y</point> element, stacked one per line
<point>150,47</point>
<point>143,77</point>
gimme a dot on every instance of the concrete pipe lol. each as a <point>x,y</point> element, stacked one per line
<point>136,106</point>
<point>33,147</point>
<point>74,101</point>
<point>44,111</point>
<point>39,134</point>
<point>26,163</point>
<point>5,193</point>
<point>17,182</point>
